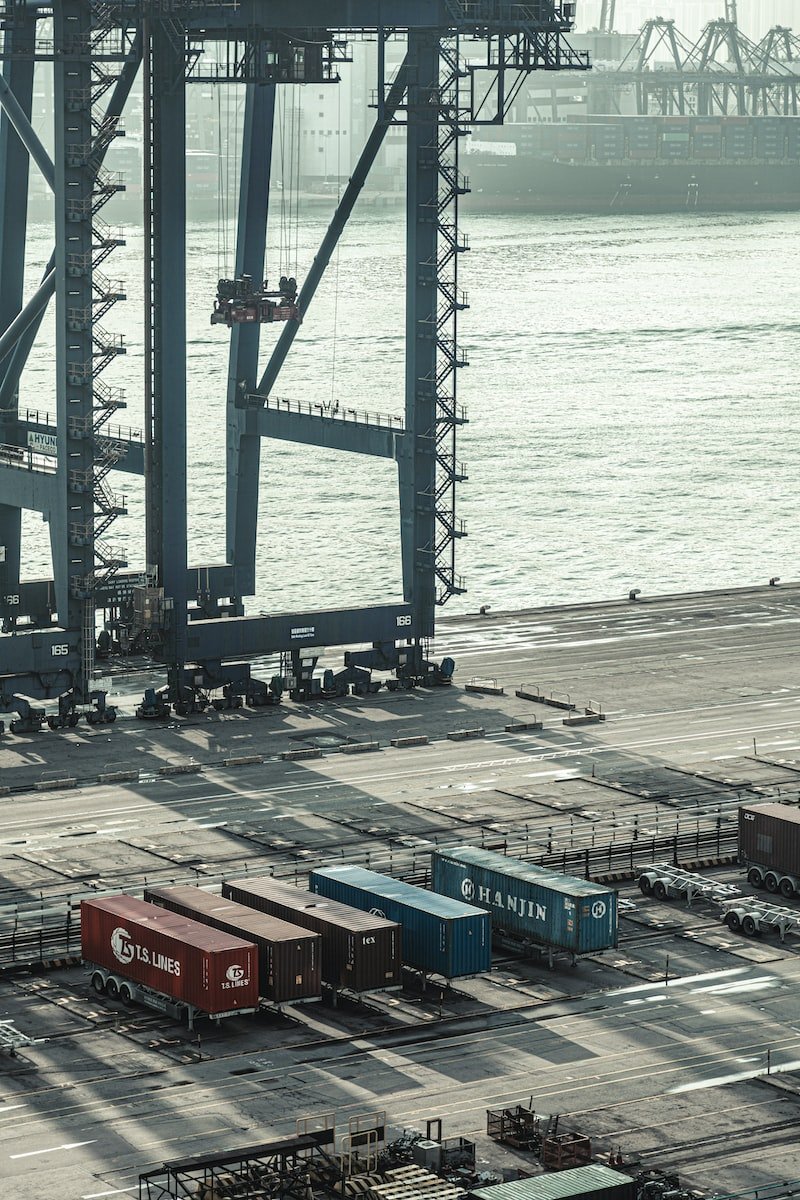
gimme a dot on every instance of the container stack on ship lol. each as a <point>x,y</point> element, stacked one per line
<point>642,164</point>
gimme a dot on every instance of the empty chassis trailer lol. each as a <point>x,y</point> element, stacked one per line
<point>360,951</point>
<point>440,936</point>
<point>289,958</point>
<point>535,904</point>
<point>143,953</point>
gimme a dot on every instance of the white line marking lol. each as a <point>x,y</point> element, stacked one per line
<point>53,1149</point>
<point>115,1192</point>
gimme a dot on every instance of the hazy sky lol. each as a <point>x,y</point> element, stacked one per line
<point>755,16</point>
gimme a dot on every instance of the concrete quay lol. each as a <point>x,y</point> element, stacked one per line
<point>659,1047</point>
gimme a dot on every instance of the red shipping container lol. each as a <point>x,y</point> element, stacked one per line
<point>213,971</point>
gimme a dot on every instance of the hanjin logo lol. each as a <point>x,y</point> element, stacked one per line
<point>599,909</point>
<point>523,906</point>
<point>235,973</point>
<point>122,945</point>
<point>377,912</point>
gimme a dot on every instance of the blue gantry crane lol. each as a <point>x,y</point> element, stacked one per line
<point>464,60</point>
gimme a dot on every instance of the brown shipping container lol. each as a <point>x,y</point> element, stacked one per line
<point>212,971</point>
<point>360,952</point>
<point>289,957</point>
<point>769,836</point>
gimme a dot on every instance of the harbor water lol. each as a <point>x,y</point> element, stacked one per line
<point>631,395</point>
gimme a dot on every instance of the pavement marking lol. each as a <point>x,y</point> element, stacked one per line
<point>53,1149</point>
<point>113,1192</point>
<point>721,1080</point>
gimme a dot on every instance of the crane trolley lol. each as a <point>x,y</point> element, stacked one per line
<point>241,301</point>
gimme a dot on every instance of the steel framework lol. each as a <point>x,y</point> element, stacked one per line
<point>464,60</point>
<point>723,72</point>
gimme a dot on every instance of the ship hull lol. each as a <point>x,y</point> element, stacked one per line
<point>639,164</point>
<point>536,185</point>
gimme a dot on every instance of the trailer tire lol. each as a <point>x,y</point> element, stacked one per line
<point>755,877</point>
<point>660,890</point>
<point>750,926</point>
<point>771,882</point>
<point>111,988</point>
<point>645,885</point>
<point>98,983</point>
<point>733,922</point>
<point>786,888</point>
<point>125,994</point>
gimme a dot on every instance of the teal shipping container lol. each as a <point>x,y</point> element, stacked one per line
<point>534,903</point>
<point>440,936</point>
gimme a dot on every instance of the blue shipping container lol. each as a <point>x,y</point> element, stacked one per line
<point>440,935</point>
<point>535,903</point>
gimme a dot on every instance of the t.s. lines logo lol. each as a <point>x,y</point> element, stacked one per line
<point>122,945</point>
<point>236,976</point>
<point>126,950</point>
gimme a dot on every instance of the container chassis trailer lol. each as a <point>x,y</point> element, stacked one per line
<point>119,987</point>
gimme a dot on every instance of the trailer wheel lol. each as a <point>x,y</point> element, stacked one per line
<point>733,922</point>
<point>787,887</point>
<point>771,881</point>
<point>750,927</point>
<point>125,994</point>
<point>645,885</point>
<point>755,877</point>
<point>98,982</point>
<point>111,989</point>
<point>660,889</point>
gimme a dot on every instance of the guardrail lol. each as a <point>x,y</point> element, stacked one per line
<point>24,459</point>
<point>334,412</point>
<point>47,932</point>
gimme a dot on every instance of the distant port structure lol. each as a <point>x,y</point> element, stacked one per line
<point>463,62</point>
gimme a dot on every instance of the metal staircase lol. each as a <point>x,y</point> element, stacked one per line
<point>452,126</point>
<point>95,507</point>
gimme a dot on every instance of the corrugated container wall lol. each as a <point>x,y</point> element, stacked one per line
<point>360,952</point>
<point>213,971</point>
<point>641,134</point>
<point>594,1182</point>
<point>289,958</point>
<point>769,139</point>
<point>769,835</point>
<point>532,902</point>
<point>738,133</point>
<point>439,935</point>
<point>608,141</point>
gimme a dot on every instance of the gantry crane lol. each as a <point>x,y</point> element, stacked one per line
<point>459,54</point>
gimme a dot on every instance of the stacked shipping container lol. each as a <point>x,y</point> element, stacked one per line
<point>534,903</point>
<point>214,972</point>
<point>440,935</point>
<point>289,958</point>
<point>360,951</point>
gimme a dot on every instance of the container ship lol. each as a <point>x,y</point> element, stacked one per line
<point>639,164</point>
